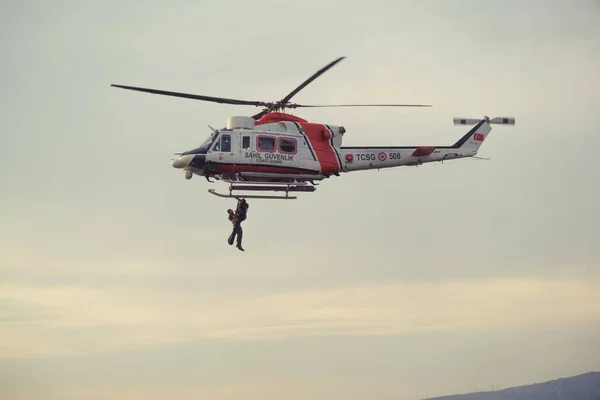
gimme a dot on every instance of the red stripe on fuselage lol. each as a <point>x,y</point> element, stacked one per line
<point>317,136</point>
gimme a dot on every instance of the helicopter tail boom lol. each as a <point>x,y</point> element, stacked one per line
<point>366,158</point>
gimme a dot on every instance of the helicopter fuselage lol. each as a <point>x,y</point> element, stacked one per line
<point>281,148</point>
<point>274,148</point>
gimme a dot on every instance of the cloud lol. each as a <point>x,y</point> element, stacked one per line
<point>79,319</point>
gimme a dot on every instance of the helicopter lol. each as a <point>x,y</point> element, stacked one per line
<point>274,151</point>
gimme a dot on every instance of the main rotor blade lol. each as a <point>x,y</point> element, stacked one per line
<point>309,80</point>
<point>196,96</point>
<point>360,105</point>
<point>260,114</point>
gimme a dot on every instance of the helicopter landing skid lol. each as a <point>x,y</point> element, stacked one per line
<point>264,187</point>
<point>234,196</point>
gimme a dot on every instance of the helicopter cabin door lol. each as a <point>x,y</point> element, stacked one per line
<point>226,148</point>
<point>246,148</point>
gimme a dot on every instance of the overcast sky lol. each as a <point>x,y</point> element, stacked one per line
<point>116,279</point>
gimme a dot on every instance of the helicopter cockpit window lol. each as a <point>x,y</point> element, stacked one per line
<point>223,144</point>
<point>266,143</point>
<point>217,146</point>
<point>208,141</point>
<point>287,145</point>
<point>226,143</point>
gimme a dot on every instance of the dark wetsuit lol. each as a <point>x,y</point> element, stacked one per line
<point>240,216</point>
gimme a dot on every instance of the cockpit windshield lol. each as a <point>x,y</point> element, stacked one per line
<point>208,141</point>
<point>203,149</point>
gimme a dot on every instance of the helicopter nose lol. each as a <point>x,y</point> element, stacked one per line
<point>177,163</point>
<point>181,162</point>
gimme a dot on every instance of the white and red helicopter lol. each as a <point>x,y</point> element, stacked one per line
<point>278,152</point>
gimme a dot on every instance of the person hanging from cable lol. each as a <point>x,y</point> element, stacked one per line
<point>236,226</point>
<point>237,218</point>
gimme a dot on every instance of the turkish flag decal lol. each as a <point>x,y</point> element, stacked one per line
<point>478,137</point>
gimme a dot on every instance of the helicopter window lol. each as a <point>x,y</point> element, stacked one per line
<point>226,143</point>
<point>287,145</point>
<point>217,146</point>
<point>246,143</point>
<point>223,144</point>
<point>208,141</point>
<point>265,143</point>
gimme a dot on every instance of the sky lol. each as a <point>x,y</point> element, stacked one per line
<point>116,279</point>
